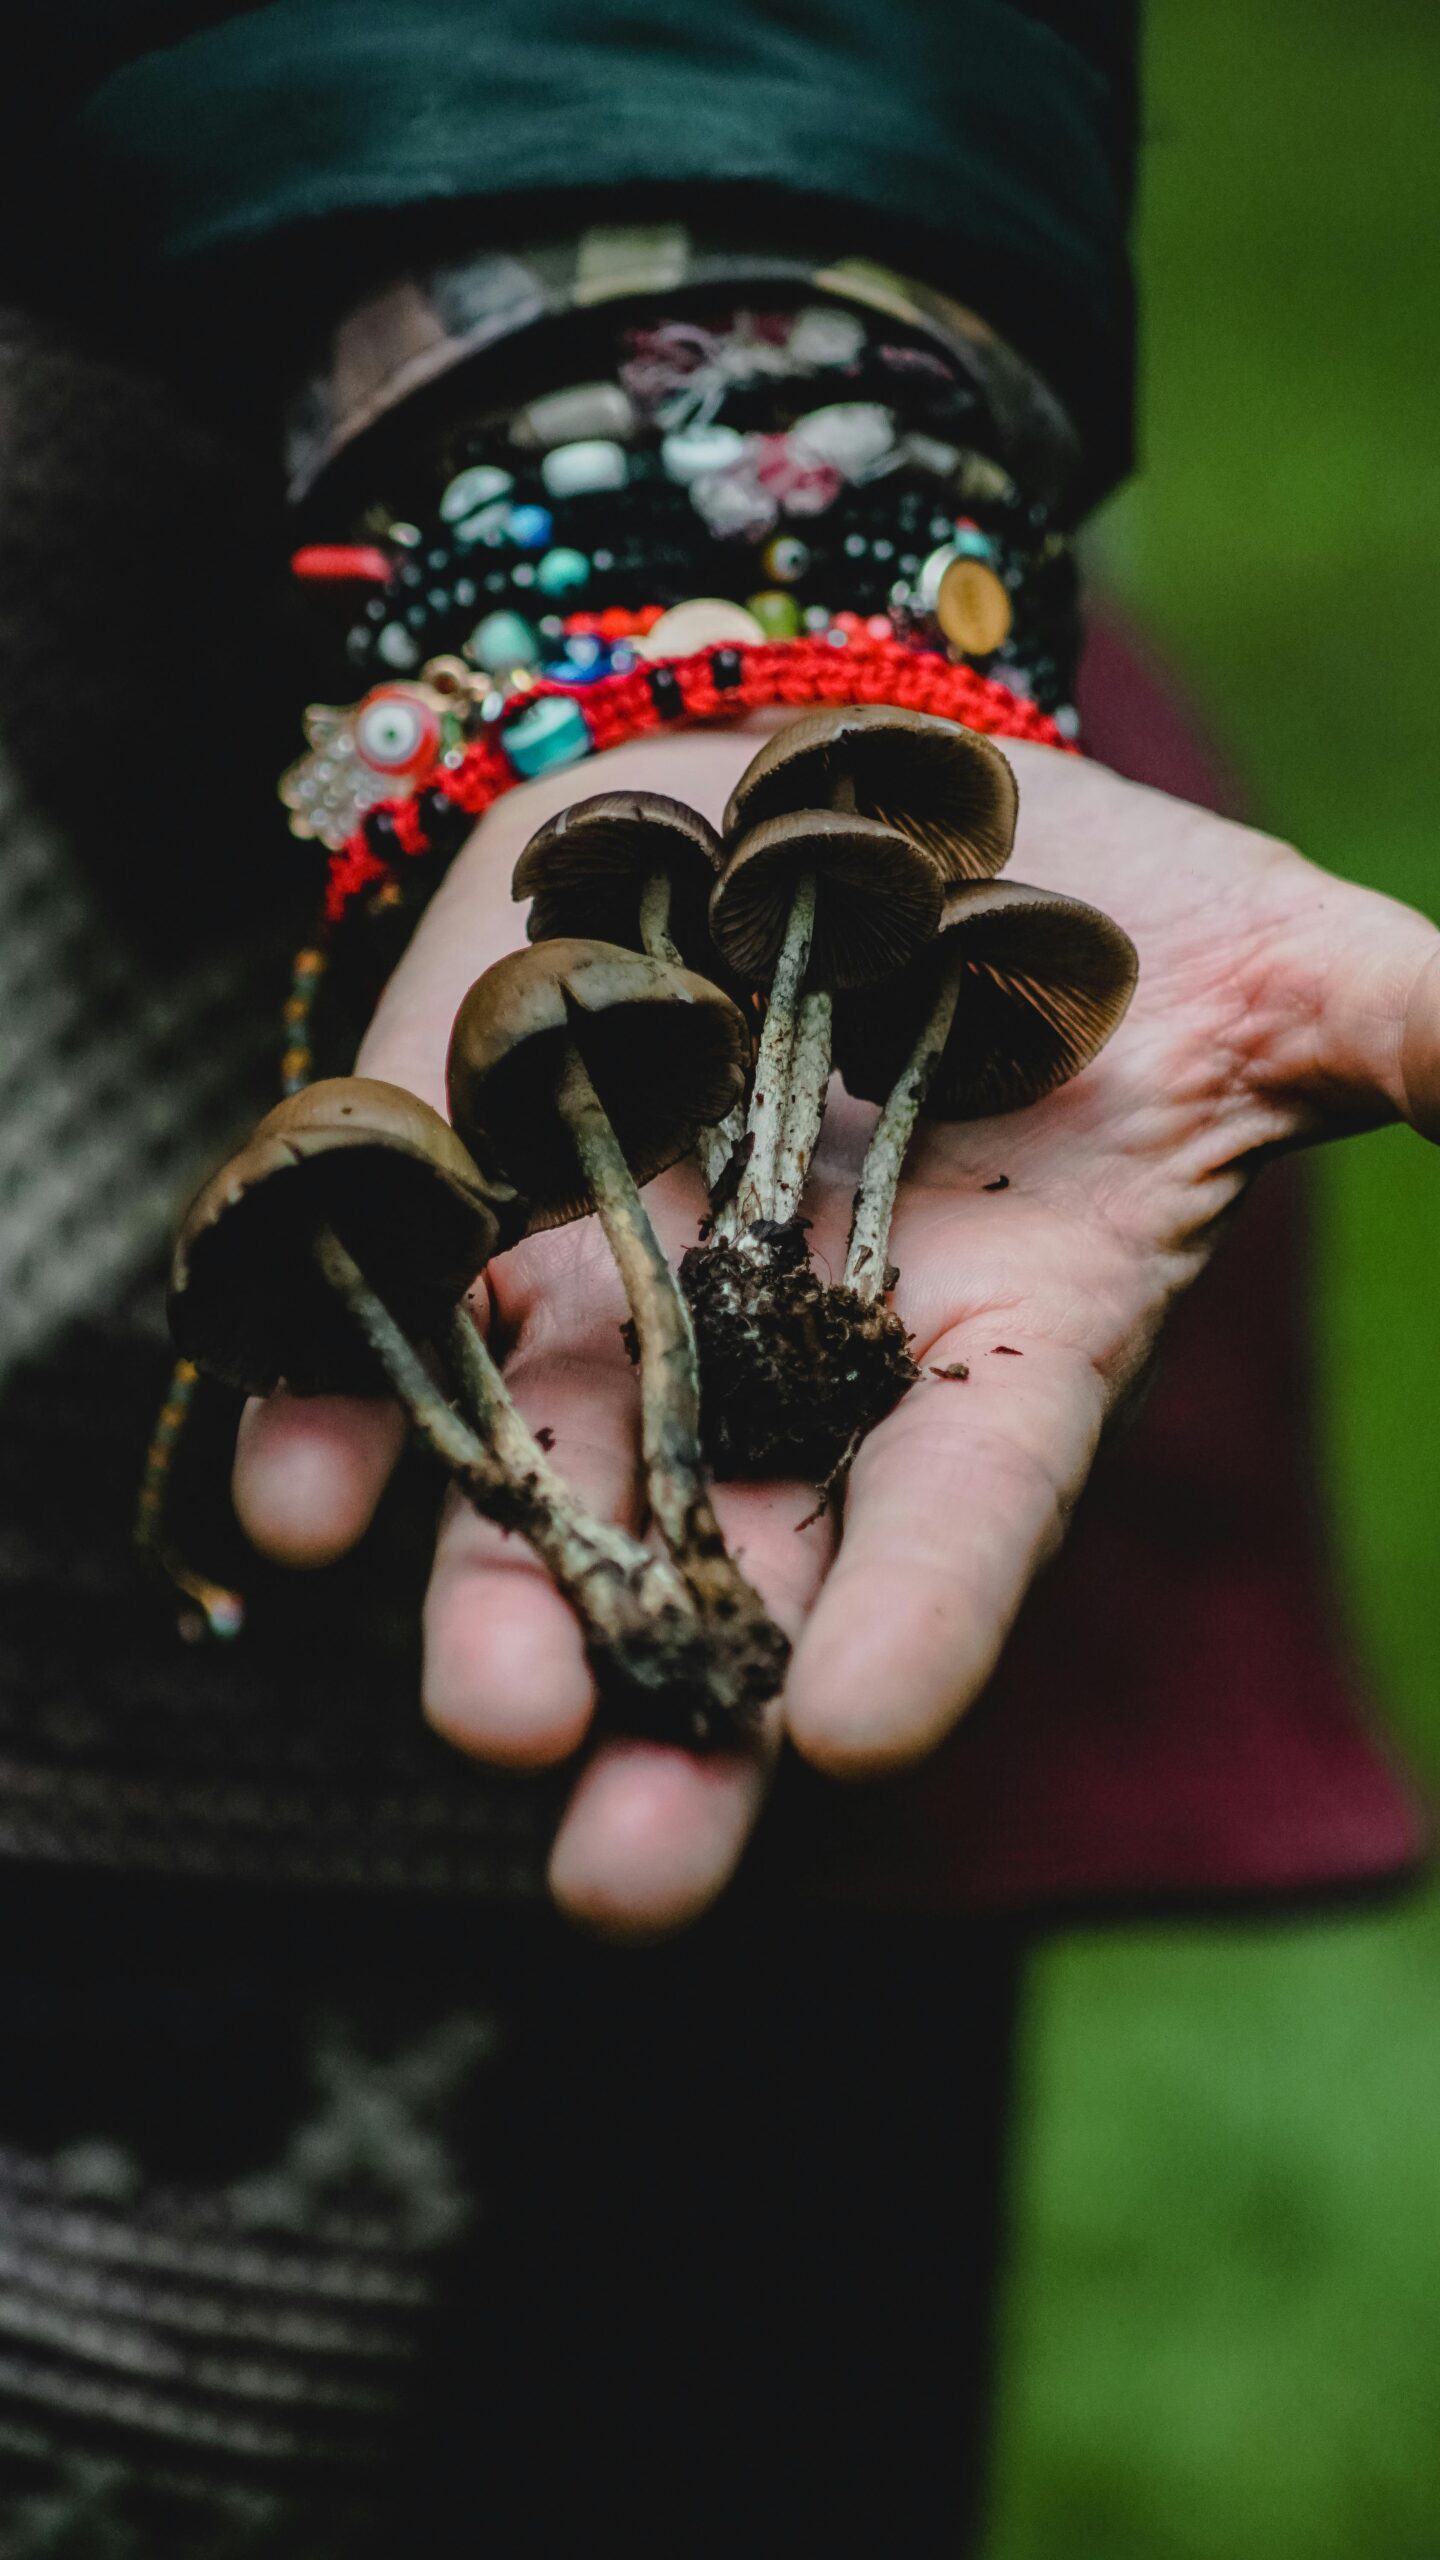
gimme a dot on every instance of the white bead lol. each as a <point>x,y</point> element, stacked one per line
<point>853,436</point>
<point>571,470</point>
<point>825,336</point>
<point>488,524</point>
<point>478,487</point>
<point>701,622</point>
<point>396,647</point>
<point>583,409</point>
<point>927,585</point>
<point>688,451</point>
<point>932,454</point>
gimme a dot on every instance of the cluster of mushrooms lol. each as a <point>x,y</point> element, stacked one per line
<point>684,992</point>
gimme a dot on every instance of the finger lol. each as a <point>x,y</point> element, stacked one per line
<point>309,1471</point>
<point>954,1503</point>
<point>652,1836</point>
<point>1342,1002</point>
<point>506,1675</point>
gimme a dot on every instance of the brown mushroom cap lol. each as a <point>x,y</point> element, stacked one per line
<point>1046,980</point>
<point>878,898</point>
<point>247,1301</point>
<point>586,869</point>
<point>946,787</point>
<point>666,1052</point>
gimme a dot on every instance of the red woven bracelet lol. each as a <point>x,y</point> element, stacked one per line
<point>713,684</point>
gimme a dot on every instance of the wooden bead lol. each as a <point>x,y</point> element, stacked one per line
<point>973,608</point>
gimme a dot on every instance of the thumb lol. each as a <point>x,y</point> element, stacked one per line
<point>1344,1010</point>
<point>1419,1059</point>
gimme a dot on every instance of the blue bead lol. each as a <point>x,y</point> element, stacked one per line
<point>585,649</point>
<point>551,733</point>
<point>562,570</point>
<point>531,527</point>
<point>565,671</point>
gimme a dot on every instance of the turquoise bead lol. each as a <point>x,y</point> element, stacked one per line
<point>551,733</point>
<point>503,640</point>
<point>562,570</point>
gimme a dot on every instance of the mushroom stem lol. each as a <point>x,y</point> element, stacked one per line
<point>805,1105</point>
<point>770,1096</point>
<point>655,935</point>
<point>642,1630</point>
<point>867,1260</point>
<point>669,1366</point>
<point>714,1147</point>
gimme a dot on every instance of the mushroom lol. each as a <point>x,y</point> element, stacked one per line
<point>580,1071</point>
<point>341,1236</point>
<point>635,868</point>
<point>1021,989</point>
<point>807,903</point>
<point>248,1302</point>
<point>944,786</point>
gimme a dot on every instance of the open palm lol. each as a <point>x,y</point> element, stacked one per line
<point>1037,1255</point>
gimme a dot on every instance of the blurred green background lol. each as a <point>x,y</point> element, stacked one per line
<point>1222,2332</point>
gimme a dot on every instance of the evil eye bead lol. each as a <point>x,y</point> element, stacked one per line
<point>396,732</point>
<point>786,558</point>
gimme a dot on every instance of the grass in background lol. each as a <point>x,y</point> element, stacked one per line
<point>1223,2327</point>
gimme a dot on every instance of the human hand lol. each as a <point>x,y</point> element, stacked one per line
<point>1276,1005</point>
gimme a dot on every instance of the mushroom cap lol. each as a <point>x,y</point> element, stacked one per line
<point>878,897</point>
<point>944,786</point>
<point>1046,981</point>
<point>667,1053</point>
<point>586,869</point>
<point>248,1303</point>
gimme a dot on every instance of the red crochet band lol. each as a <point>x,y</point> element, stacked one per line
<point>657,695</point>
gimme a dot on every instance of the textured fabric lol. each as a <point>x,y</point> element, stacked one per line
<point>327,2238</point>
<point>969,126</point>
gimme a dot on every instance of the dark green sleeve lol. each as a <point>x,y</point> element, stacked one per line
<point>987,142</point>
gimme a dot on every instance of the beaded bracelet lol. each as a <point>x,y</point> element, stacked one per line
<point>551,726</point>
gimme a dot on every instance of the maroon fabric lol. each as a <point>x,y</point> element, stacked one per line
<point>1176,1715</point>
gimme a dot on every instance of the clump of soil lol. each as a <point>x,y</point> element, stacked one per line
<point>702,1681</point>
<point>794,1370</point>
